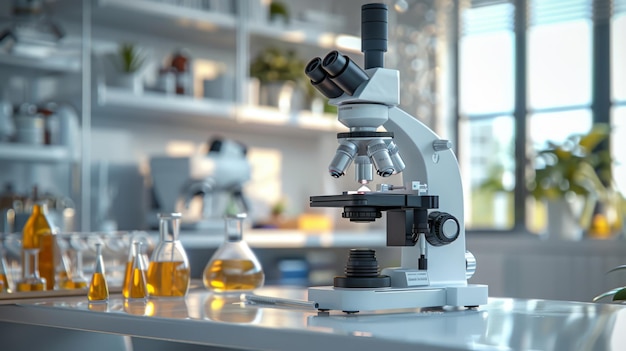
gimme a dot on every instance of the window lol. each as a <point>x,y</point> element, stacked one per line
<point>528,76</point>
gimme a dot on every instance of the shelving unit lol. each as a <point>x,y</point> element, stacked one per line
<point>35,153</point>
<point>24,65</point>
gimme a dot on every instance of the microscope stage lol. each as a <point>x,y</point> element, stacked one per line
<point>382,201</point>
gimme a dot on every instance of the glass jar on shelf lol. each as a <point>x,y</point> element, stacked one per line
<point>234,267</point>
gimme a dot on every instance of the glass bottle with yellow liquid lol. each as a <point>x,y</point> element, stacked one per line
<point>168,271</point>
<point>38,234</point>
<point>134,286</point>
<point>98,288</point>
<point>233,267</point>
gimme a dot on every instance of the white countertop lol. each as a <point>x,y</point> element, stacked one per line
<point>206,319</point>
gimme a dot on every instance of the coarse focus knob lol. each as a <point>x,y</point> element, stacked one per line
<point>470,264</point>
<point>442,145</point>
<point>444,228</point>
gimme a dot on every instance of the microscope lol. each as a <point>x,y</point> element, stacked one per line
<point>424,214</point>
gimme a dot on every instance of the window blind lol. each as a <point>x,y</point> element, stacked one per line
<point>483,16</point>
<point>555,11</point>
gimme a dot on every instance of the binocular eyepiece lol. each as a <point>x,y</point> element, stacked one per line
<point>335,74</point>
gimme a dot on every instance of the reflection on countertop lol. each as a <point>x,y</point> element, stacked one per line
<point>209,319</point>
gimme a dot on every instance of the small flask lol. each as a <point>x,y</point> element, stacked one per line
<point>31,281</point>
<point>233,267</point>
<point>135,278</point>
<point>168,271</point>
<point>98,288</point>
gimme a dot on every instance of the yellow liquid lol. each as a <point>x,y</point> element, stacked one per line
<point>229,275</point>
<point>37,234</point>
<point>31,286</point>
<point>98,289</point>
<point>4,283</point>
<point>137,287</point>
<point>168,279</point>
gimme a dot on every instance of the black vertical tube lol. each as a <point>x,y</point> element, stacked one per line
<point>374,34</point>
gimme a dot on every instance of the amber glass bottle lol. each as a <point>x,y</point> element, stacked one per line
<point>38,234</point>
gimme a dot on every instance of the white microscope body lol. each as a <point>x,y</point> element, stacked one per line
<point>424,215</point>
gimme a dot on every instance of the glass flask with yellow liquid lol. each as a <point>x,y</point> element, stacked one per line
<point>134,286</point>
<point>168,271</point>
<point>38,234</point>
<point>31,281</point>
<point>233,267</point>
<point>98,288</point>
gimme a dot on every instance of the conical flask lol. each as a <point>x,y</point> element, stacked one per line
<point>98,288</point>
<point>233,267</point>
<point>31,281</point>
<point>135,278</point>
<point>168,271</point>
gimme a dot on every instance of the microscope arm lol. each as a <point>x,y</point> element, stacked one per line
<point>440,171</point>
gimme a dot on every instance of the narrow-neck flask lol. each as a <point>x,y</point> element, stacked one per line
<point>233,267</point>
<point>38,234</point>
<point>135,278</point>
<point>168,271</point>
<point>98,288</point>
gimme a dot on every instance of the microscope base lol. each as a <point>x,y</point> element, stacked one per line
<point>365,299</point>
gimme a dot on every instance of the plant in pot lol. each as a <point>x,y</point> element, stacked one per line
<point>128,63</point>
<point>577,174</point>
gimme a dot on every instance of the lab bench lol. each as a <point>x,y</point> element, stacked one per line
<point>205,321</point>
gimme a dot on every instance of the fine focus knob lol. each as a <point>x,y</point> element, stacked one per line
<point>444,228</point>
<point>442,145</point>
<point>470,264</point>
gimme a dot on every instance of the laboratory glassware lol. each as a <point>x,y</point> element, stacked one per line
<point>135,277</point>
<point>98,288</point>
<point>168,271</point>
<point>38,234</point>
<point>233,267</point>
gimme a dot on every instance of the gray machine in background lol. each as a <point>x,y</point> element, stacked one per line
<point>424,214</point>
<point>203,188</point>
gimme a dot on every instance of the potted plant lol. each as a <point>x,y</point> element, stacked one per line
<point>281,77</point>
<point>128,63</point>
<point>575,170</point>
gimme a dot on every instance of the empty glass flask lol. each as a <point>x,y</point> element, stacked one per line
<point>233,267</point>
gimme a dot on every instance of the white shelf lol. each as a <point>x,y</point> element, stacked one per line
<point>305,35</point>
<point>118,103</point>
<point>34,65</point>
<point>122,103</point>
<point>34,153</point>
<point>165,20</point>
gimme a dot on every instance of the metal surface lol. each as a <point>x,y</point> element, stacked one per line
<point>207,319</point>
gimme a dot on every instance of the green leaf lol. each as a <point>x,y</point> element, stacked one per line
<point>608,293</point>
<point>620,295</point>
<point>618,268</point>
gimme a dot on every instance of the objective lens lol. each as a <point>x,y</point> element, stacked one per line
<point>363,168</point>
<point>398,163</point>
<point>378,152</point>
<point>343,157</point>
